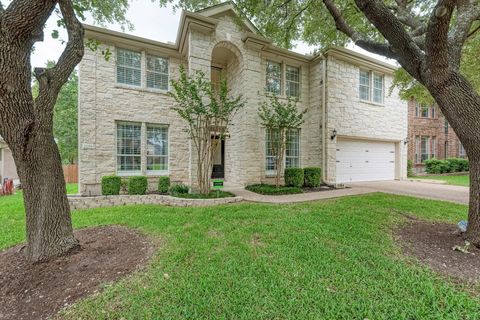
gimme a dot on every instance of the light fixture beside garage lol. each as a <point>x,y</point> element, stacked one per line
<point>334,134</point>
<point>406,141</point>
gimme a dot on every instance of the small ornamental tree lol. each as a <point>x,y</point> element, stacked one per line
<point>278,117</point>
<point>208,113</point>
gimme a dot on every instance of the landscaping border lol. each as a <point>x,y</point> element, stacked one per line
<point>79,203</point>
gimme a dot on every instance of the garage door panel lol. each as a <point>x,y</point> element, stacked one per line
<point>359,160</point>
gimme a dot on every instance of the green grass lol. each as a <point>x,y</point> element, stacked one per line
<point>320,260</point>
<point>211,195</point>
<point>463,180</point>
<point>270,189</point>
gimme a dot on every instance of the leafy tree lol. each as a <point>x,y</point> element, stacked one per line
<point>278,117</point>
<point>26,123</point>
<point>426,37</point>
<point>208,112</point>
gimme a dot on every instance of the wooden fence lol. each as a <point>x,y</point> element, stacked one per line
<point>70,171</point>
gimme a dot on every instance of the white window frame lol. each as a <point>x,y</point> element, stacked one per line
<point>296,83</point>
<point>117,65</point>
<point>371,86</point>
<point>117,155</point>
<point>167,156</point>
<point>273,172</point>
<point>147,72</point>
<point>268,76</point>
<point>462,153</point>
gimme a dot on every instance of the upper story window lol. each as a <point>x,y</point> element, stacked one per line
<point>446,126</point>
<point>129,67</point>
<point>274,77</point>
<point>364,85</point>
<point>157,72</point>
<point>424,111</point>
<point>292,79</point>
<point>371,86</point>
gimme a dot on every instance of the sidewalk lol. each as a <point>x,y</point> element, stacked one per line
<point>301,197</point>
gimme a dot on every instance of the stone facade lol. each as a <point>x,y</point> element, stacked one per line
<point>214,38</point>
<point>7,164</point>
<point>444,142</point>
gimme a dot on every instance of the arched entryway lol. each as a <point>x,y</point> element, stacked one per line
<point>225,64</point>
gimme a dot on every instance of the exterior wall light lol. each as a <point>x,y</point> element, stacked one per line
<point>406,141</point>
<point>334,134</point>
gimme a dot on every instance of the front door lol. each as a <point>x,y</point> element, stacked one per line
<point>219,160</point>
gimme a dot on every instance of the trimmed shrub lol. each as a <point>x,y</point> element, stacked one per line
<point>313,177</point>
<point>410,168</point>
<point>435,166</point>
<point>111,185</point>
<point>463,165</point>
<point>454,164</point>
<point>178,189</point>
<point>163,184</point>
<point>294,177</point>
<point>270,189</point>
<point>137,185</point>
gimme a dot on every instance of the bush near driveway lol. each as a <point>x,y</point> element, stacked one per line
<point>436,166</point>
<point>111,185</point>
<point>294,177</point>
<point>313,177</point>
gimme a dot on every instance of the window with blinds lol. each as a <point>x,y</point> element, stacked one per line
<point>157,72</point>
<point>292,79</point>
<point>129,67</point>
<point>129,137</point>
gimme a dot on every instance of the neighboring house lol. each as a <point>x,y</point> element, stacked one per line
<point>430,136</point>
<point>7,165</point>
<point>354,130</point>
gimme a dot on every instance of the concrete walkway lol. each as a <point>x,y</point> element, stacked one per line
<point>302,197</point>
<point>424,190</point>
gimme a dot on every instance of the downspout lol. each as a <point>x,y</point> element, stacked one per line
<point>324,119</point>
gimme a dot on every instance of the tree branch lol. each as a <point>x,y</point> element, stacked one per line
<point>437,44</point>
<point>408,52</point>
<point>51,80</point>
<point>22,18</point>
<point>358,38</point>
<point>467,12</point>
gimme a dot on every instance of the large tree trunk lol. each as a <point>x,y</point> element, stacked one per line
<point>460,104</point>
<point>49,226</point>
<point>474,210</point>
<point>27,124</point>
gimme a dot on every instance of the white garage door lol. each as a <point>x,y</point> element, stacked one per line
<point>359,160</point>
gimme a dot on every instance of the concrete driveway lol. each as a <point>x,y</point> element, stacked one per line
<point>425,190</point>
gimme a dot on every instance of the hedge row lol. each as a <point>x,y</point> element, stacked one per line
<point>307,177</point>
<point>136,185</point>
<point>450,165</point>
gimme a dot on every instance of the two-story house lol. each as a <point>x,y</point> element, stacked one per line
<point>430,136</point>
<point>354,130</point>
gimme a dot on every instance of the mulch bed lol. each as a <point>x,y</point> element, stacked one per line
<point>38,291</point>
<point>321,188</point>
<point>431,243</point>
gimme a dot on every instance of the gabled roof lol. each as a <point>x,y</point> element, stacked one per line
<point>224,8</point>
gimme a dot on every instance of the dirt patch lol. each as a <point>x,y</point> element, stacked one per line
<point>432,243</point>
<point>39,291</point>
<point>318,189</point>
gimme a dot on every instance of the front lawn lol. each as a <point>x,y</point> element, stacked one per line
<point>463,180</point>
<point>333,259</point>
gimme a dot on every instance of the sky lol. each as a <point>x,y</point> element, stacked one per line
<point>150,21</point>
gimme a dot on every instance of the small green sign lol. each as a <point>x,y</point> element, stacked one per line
<point>217,184</point>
